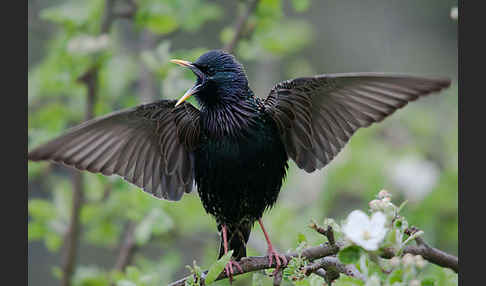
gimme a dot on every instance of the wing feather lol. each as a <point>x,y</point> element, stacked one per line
<point>316,116</point>
<point>150,146</point>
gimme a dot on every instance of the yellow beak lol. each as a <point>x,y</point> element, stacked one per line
<point>181,63</point>
<point>188,94</point>
<point>192,90</point>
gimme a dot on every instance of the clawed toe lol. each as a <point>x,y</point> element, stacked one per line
<point>281,260</point>
<point>228,269</point>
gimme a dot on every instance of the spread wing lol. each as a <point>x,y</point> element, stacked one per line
<point>317,115</point>
<point>149,145</point>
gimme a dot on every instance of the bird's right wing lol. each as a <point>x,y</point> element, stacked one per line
<point>149,145</point>
<point>317,115</point>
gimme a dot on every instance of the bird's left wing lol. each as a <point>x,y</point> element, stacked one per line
<point>149,145</point>
<point>317,115</point>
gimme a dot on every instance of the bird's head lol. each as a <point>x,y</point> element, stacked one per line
<point>220,79</point>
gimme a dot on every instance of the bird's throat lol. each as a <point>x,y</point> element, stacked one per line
<point>229,119</point>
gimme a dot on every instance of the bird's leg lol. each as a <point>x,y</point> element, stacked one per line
<point>271,251</point>
<point>228,269</point>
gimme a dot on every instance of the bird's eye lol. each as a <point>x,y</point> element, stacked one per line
<point>205,69</point>
<point>201,67</point>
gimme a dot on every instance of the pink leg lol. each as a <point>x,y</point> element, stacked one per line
<point>271,251</point>
<point>229,267</point>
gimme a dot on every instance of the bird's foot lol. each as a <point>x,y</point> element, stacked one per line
<point>280,259</point>
<point>228,269</point>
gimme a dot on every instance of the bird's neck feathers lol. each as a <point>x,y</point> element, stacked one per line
<point>231,115</point>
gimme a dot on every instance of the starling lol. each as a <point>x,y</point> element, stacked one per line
<point>236,146</point>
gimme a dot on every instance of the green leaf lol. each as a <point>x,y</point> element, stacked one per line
<point>301,238</point>
<point>36,230</point>
<point>41,209</point>
<point>218,267</point>
<point>347,281</point>
<point>269,9</point>
<point>200,12</point>
<point>395,276</point>
<point>53,241</point>
<point>70,13</point>
<point>57,272</point>
<point>428,282</point>
<point>301,5</point>
<point>226,35</point>
<point>163,24</point>
<point>90,275</point>
<point>283,38</point>
<point>132,273</point>
<point>76,16</point>
<point>349,254</point>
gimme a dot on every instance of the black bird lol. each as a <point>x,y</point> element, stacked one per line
<point>235,147</point>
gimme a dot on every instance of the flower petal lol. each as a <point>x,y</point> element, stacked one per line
<point>378,229</point>
<point>356,223</point>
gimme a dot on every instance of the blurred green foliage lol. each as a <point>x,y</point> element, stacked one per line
<point>172,235</point>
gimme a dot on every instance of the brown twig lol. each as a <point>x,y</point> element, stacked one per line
<point>429,253</point>
<point>71,236</point>
<point>434,255</point>
<point>127,248</point>
<point>333,263</point>
<point>108,16</point>
<point>320,272</point>
<point>240,26</point>
<point>327,232</point>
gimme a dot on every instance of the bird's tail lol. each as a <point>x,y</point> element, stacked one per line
<point>238,236</point>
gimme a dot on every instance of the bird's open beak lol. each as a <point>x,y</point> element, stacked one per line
<point>188,94</point>
<point>181,63</point>
<point>193,89</point>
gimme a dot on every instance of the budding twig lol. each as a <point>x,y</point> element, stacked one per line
<point>327,232</point>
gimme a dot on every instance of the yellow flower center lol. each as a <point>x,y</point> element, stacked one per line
<point>366,235</point>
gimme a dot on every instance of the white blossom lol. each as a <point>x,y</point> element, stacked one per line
<point>363,231</point>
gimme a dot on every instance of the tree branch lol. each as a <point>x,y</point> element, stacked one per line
<point>240,25</point>
<point>127,248</point>
<point>434,255</point>
<point>255,263</point>
<point>329,266</point>
<point>71,236</point>
<point>429,253</point>
<point>332,263</point>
